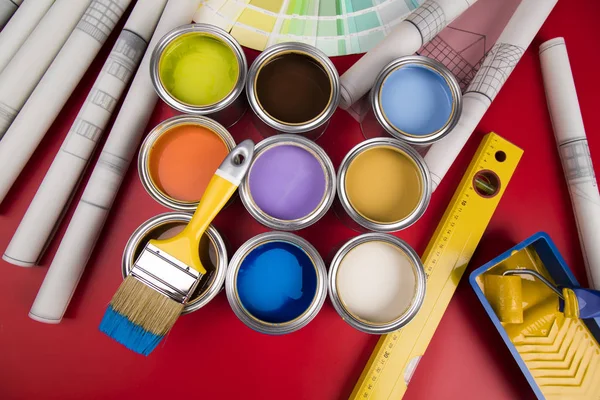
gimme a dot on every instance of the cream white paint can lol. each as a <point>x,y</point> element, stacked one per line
<point>377,283</point>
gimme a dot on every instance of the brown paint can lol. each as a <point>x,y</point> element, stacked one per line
<point>292,88</point>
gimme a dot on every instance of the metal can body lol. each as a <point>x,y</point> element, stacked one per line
<point>231,283</point>
<point>226,111</point>
<point>419,284</point>
<point>325,202</point>
<point>268,125</point>
<point>143,158</point>
<point>213,254</point>
<point>377,124</point>
<point>353,217</point>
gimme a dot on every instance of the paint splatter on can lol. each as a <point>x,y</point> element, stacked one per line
<point>212,250</point>
<point>291,183</point>
<point>276,283</point>
<point>415,99</point>
<point>179,157</point>
<point>377,283</point>
<point>383,185</point>
<point>293,88</point>
<point>200,69</point>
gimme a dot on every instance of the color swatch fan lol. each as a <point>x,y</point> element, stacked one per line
<point>337,27</point>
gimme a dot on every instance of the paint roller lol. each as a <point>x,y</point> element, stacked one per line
<point>505,294</point>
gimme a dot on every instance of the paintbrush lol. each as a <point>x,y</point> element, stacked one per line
<point>151,299</point>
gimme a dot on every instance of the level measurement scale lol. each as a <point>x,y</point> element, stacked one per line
<point>397,354</point>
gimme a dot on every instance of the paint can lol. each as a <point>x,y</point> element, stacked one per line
<point>276,283</point>
<point>179,157</point>
<point>383,185</point>
<point>291,183</point>
<point>293,88</point>
<point>415,99</point>
<point>377,283</point>
<point>213,254</point>
<point>200,69</point>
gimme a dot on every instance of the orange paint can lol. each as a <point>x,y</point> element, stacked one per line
<point>179,157</point>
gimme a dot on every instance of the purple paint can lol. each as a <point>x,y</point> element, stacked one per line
<point>291,183</point>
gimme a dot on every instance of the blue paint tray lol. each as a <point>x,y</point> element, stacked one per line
<point>559,355</point>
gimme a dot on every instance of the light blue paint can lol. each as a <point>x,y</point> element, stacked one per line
<point>415,99</point>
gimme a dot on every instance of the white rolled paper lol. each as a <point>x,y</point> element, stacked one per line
<point>498,64</point>
<point>417,29</point>
<point>62,179</point>
<point>97,199</point>
<point>26,68</point>
<point>20,27</point>
<point>7,9</point>
<point>43,106</point>
<point>574,151</point>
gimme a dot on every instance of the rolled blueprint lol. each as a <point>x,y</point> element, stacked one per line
<point>62,179</point>
<point>24,71</point>
<point>7,10</point>
<point>517,35</point>
<point>20,26</point>
<point>43,106</point>
<point>97,199</point>
<point>417,29</point>
<point>574,152</point>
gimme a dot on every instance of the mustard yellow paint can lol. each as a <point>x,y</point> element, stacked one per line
<point>396,191</point>
<point>383,185</point>
<point>200,69</point>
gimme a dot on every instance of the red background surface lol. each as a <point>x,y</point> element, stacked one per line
<point>210,354</point>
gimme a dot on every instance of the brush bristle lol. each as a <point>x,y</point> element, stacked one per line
<point>134,337</point>
<point>139,317</point>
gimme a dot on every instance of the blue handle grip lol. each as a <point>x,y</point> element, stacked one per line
<point>589,303</point>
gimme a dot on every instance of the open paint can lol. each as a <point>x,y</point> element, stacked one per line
<point>276,283</point>
<point>212,250</point>
<point>377,283</point>
<point>415,99</point>
<point>383,185</point>
<point>291,183</point>
<point>200,69</point>
<point>293,88</point>
<point>179,157</point>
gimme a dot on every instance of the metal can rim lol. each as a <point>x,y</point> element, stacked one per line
<point>317,213</point>
<point>358,323</point>
<point>444,72</point>
<point>267,327</point>
<point>291,47</point>
<point>155,133</point>
<point>378,226</point>
<point>177,104</point>
<point>215,237</point>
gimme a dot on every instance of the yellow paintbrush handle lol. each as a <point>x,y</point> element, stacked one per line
<point>223,184</point>
<point>218,192</point>
<point>220,189</point>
